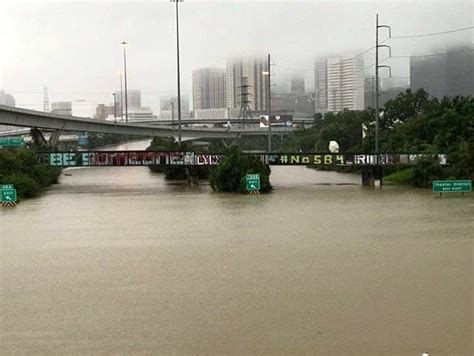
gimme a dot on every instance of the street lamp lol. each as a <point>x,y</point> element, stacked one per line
<point>269,108</point>
<point>121,96</point>
<point>124,45</point>
<point>115,109</point>
<point>178,74</point>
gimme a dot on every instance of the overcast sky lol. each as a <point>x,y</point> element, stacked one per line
<point>73,47</point>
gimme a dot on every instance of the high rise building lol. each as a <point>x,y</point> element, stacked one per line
<point>297,85</point>
<point>103,111</point>
<point>321,85</point>
<point>386,91</point>
<point>339,84</point>
<point>134,98</point>
<point>248,72</point>
<point>169,107</point>
<point>208,88</point>
<point>6,99</point>
<point>445,75</point>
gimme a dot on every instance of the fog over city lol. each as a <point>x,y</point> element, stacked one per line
<point>73,48</point>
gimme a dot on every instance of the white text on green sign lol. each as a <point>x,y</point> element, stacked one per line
<point>252,182</point>
<point>11,141</point>
<point>8,195</point>
<point>450,186</point>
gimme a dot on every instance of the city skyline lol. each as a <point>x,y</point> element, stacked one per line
<point>97,30</point>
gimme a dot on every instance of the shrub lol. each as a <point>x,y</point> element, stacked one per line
<point>229,174</point>
<point>426,170</point>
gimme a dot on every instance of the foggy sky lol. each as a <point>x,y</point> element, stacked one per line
<point>73,48</point>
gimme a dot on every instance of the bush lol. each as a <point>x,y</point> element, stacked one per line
<point>403,177</point>
<point>229,174</point>
<point>25,186</point>
<point>20,168</point>
<point>426,171</point>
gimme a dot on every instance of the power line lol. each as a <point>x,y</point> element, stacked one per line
<point>436,33</point>
<point>439,76</point>
<point>435,54</point>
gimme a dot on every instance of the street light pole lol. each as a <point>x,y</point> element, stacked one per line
<point>124,44</point>
<point>269,106</point>
<point>121,97</point>
<point>115,109</point>
<point>178,71</point>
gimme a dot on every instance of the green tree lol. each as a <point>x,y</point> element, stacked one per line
<point>229,175</point>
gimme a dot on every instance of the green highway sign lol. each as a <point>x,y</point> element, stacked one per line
<point>11,141</point>
<point>252,182</point>
<point>8,195</point>
<point>452,186</point>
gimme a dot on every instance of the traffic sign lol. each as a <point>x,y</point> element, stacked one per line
<point>8,195</point>
<point>452,186</point>
<point>252,182</point>
<point>11,141</point>
<point>83,140</point>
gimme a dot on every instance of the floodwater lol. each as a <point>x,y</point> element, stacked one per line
<point>119,261</point>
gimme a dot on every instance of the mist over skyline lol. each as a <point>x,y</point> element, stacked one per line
<point>73,48</point>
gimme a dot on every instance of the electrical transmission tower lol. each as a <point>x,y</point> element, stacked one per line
<point>45,100</point>
<point>245,112</point>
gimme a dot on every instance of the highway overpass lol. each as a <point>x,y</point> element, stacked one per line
<point>30,118</point>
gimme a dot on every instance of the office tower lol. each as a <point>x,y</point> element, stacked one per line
<point>6,99</point>
<point>134,98</point>
<point>444,75</point>
<point>297,85</point>
<point>321,85</point>
<point>241,72</point>
<point>208,88</point>
<point>339,84</point>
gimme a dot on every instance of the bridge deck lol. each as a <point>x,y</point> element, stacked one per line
<point>31,118</point>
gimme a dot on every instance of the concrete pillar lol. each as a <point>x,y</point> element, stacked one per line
<point>54,138</point>
<point>192,177</point>
<point>372,176</point>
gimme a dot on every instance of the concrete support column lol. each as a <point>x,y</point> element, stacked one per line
<point>372,176</point>
<point>192,177</point>
<point>54,138</point>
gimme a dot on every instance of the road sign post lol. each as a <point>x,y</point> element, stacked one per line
<point>452,186</point>
<point>11,142</point>
<point>252,182</point>
<point>8,195</point>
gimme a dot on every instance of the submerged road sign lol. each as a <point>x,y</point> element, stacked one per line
<point>11,141</point>
<point>8,195</point>
<point>252,182</point>
<point>452,186</point>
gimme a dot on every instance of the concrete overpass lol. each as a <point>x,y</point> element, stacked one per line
<point>296,121</point>
<point>41,120</point>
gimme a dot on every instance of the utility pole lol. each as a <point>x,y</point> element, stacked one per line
<point>377,66</point>
<point>172,113</point>
<point>115,108</point>
<point>178,71</point>
<point>378,169</point>
<point>121,98</point>
<point>269,107</point>
<point>125,74</point>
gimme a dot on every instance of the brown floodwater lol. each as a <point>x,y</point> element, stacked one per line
<point>119,261</point>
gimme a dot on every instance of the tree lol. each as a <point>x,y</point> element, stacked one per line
<point>229,175</point>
